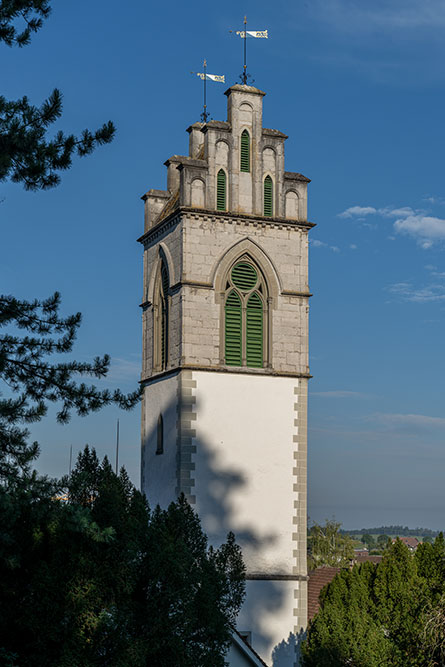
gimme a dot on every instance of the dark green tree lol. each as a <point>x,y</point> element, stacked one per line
<point>382,541</point>
<point>95,579</point>
<point>392,613</point>
<point>28,14</point>
<point>369,540</point>
<point>29,155</point>
<point>33,380</point>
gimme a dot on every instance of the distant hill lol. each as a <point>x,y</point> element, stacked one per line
<point>402,531</point>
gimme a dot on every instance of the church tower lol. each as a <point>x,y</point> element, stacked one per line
<point>225,357</point>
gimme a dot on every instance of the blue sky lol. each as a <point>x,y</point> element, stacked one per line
<point>359,88</point>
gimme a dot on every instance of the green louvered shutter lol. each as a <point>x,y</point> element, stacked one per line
<point>233,330</point>
<point>254,331</point>
<point>164,315</point>
<point>244,276</point>
<point>245,151</point>
<point>268,196</point>
<point>221,190</point>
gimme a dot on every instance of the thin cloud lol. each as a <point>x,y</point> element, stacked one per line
<point>425,230</point>
<point>385,212</point>
<point>339,393</point>
<point>315,243</point>
<point>396,420</point>
<point>407,292</point>
<point>402,15</point>
<point>357,211</point>
<point>389,212</point>
<point>124,370</point>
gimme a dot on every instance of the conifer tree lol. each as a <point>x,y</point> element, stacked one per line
<point>392,613</point>
<point>30,156</point>
<point>98,580</point>
<point>33,380</point>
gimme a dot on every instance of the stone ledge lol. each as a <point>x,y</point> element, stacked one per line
<point>225,215</point>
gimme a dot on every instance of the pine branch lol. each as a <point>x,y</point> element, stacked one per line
<point>31,12</point>
<point>26,154</point>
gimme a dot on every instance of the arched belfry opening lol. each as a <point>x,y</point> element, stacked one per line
<point>246,315</point>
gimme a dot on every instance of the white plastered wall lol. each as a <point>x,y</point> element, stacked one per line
<point>244,464</point>
<point>159,471</point>
<point>246,471</point>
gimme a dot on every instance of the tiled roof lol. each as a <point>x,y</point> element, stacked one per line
<point>363,558</point>
<point>411,542</point>
<point>250,649</point>
<point>318,579</point>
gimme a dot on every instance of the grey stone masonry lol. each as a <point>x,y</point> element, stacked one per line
<point>199,242</point>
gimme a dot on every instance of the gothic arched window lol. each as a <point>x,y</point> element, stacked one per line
<point>268,196</point>
<point>245,151</point>
<point>161,317</point>
<point>245,314</point>
<point>221,190</point>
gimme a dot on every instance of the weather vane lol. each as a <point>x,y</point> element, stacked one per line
<point>218,78</point>
<point>244,34</point>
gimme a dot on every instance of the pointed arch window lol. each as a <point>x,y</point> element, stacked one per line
<point>268,196</point>
<point>161,317</point>
<point>221,190</point>
<point>245,151</point>
<point>245,313</point>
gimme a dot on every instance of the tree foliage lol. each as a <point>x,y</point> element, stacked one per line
<point>382,541</point>
<point>369,540</point>
<point>328,546</point>
<point>29,14</point>
<point>33,380</point>
<point>386,614</point>
<point>94,578</point>
<point>28,155</point>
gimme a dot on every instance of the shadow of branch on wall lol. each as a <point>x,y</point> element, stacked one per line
<point>289,649</point>
<point>219,488</point>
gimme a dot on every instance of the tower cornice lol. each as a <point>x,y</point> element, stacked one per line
<point>238,87</point>
<point>267,221</point>
<point>233,370</point>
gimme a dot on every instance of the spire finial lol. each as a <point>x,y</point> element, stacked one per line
<point>204,76</point>
<point>245,76</point>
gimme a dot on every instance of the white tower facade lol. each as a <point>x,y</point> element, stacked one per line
<point>225,357</point>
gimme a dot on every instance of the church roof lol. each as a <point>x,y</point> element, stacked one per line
<point>246,648</point>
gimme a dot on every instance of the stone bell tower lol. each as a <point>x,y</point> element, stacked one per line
<point>225,357</point>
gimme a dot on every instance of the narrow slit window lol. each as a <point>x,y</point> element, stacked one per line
<point>245,151</point>
<point>160,436</point>
<point>221,190</point>
<point>268,196</point>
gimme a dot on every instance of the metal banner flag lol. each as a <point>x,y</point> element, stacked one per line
<point>219,78</point>
<point>253,33</point>
<point>244,34</point>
